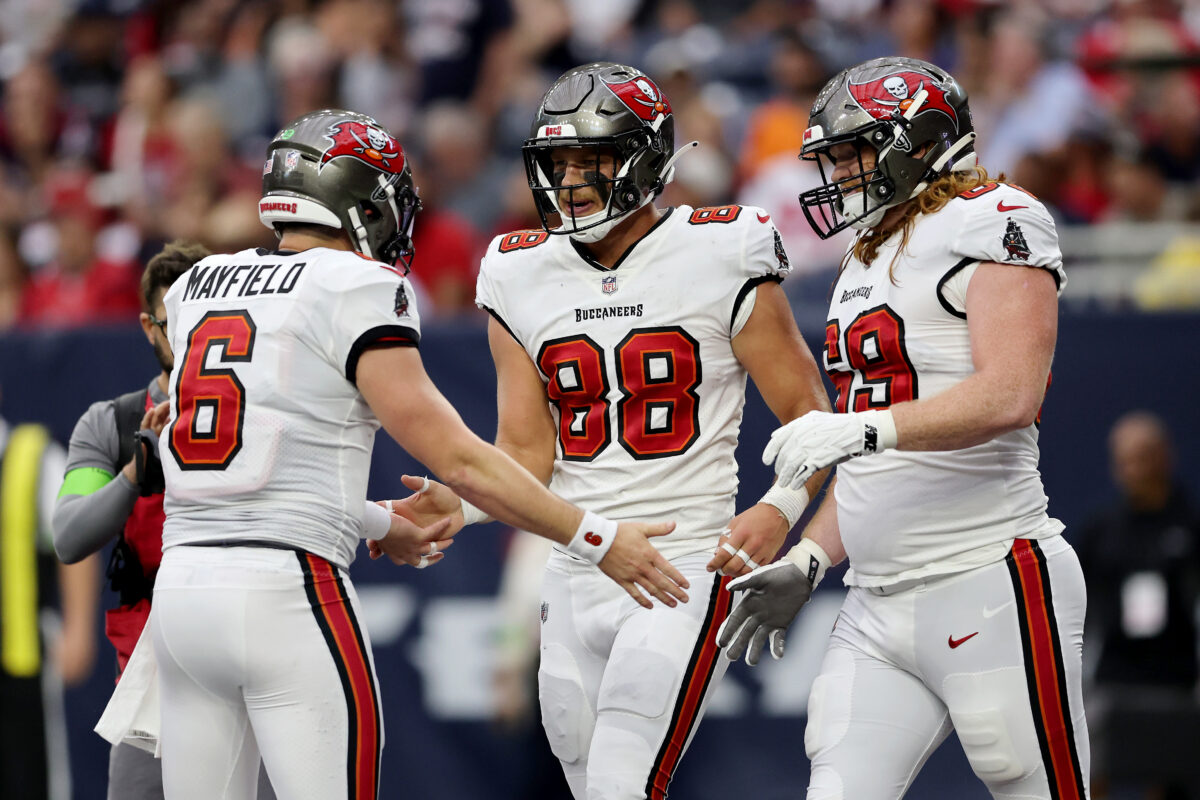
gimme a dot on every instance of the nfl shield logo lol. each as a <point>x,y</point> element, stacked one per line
<point>609,284</point>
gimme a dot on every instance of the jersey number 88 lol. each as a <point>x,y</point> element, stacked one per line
<point>658,415</point>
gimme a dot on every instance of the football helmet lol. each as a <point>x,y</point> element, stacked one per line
<point>607,109</point>
<point>343,170</point>
<point>896,106</point>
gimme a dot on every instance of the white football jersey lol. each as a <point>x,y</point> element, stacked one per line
<point>638,363</point>
<point>905,515</point>
<point>269,438</point>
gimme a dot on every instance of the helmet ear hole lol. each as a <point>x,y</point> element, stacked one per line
<point>627,197</point>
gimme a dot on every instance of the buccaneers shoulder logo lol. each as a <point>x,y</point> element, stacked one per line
<point>882,96</point>
<point>641,96</point>
<point>367,143</point>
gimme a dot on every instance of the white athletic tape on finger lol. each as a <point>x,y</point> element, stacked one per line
<point>424,486</point>
<point>750,562</point>
<point>391,506</point>
<point>432,548</point>
<point>743,555</point>
<point>423,563</point>
<point>725,532</point>
<point>728,548</point>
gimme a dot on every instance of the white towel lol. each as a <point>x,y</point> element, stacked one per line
<point>132,714</point>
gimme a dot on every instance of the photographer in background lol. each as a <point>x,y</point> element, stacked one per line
<point>1141,559</point>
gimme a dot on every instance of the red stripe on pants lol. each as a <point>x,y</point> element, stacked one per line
<point>335,608</point>
<point>1050,703</point>
<point>694,685</point>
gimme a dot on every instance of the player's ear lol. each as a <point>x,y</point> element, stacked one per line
<point>147,326</point>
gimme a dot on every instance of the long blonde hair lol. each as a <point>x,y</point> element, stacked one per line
<point>940,192</point>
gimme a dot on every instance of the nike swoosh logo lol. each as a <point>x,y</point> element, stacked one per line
<point>1003,208</point>
<point>763,217</point>
<point>988,613</point>
<point>956,642</point>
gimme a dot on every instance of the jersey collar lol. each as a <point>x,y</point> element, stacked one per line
<point>587,256</point>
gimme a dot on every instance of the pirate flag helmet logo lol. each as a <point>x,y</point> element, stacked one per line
<point>640,95</point>
<point>882,97</point>
<point>368,143</point>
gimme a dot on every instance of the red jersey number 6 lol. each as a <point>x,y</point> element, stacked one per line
<point>211,401</point>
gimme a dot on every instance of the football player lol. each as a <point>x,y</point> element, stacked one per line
<point>622,335</point>
<point>965,608</point>
<point>286,363</point>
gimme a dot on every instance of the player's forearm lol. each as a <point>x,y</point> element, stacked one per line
<point>975,411</point>
<point>79,589</point>
<point>536,459</point>
<point>490,479</point>
<point>84,523</point>
<point>823,527</point>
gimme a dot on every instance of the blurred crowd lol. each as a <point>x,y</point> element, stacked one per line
<point>127,123</point>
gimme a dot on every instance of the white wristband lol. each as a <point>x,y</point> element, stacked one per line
<point>879,431</point>
<point>810,557</point>
<point>471,514</point>
<point>376,521</point>
<point>593,538</point>
<point>789,502</point>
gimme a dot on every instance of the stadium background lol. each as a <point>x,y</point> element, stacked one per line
<point>127,123</point>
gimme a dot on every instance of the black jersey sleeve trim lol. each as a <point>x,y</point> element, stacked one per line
<point>748,287</point>
<point>503,324</point>
<point>957,268</point>
<point>379,336</point>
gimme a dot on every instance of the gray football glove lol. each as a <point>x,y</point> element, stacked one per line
<point>774,595</point>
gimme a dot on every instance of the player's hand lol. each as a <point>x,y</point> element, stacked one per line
<point>751,540</point>
<point>773,596</point>
<point>635,563</point>
<point>820,439</point>
<point>408,543</point>
<point>429,502</point>
<point>156,418</point>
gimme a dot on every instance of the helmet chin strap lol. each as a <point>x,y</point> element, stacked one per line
<point>360,233</point>
<point>870,219</point>
<point>668,171</point>
<point>967,162</point>
<point>666,175</point>
<point>389,192</point>
<point>598,232</point>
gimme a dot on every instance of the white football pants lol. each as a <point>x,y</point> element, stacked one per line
<point>622,688</point>
<point>994,653</point>
<point>260,651</point>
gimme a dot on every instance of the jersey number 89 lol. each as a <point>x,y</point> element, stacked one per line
<point>658,415</point>
<point>873,349</point>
